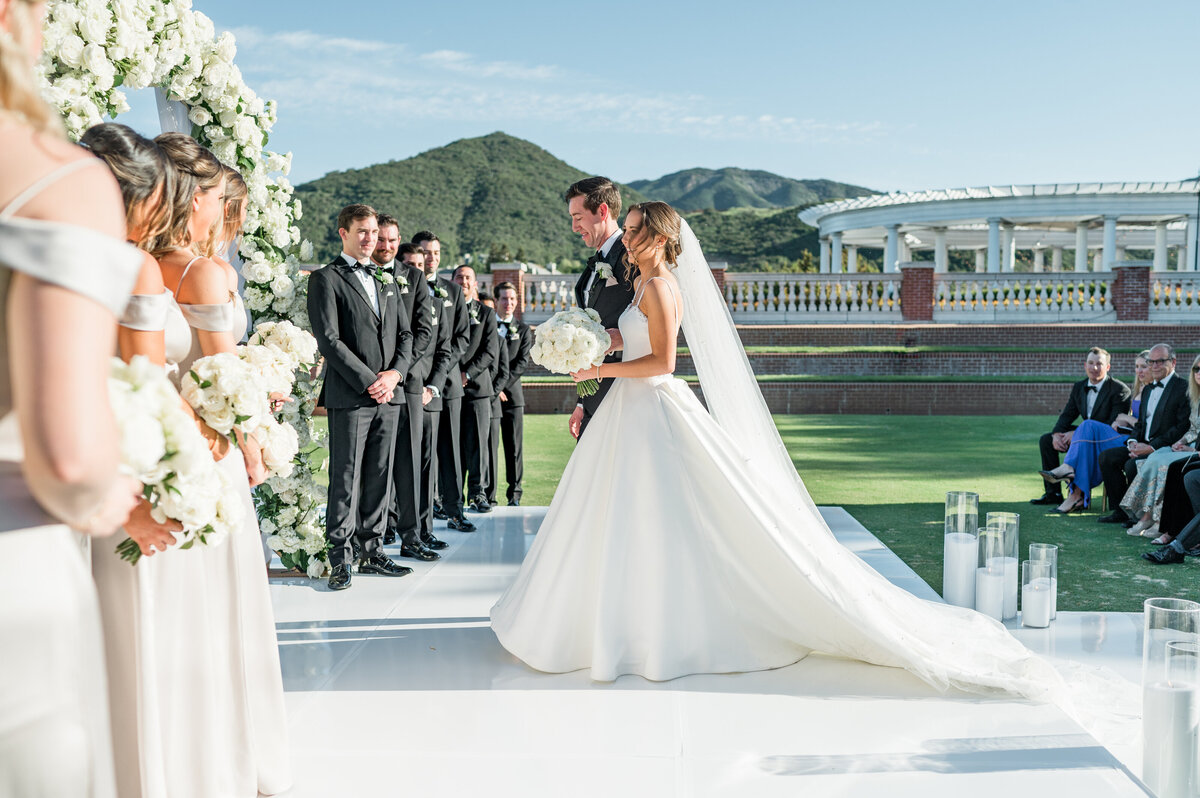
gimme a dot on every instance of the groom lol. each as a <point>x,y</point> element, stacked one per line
<point>594,205</point>
<point>363,332</point>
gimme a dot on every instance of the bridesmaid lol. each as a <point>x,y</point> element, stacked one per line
<point>205,291</point>
<point>58,454</point>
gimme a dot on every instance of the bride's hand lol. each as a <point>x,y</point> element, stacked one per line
<point>589,373</point>
<point>617,341</point>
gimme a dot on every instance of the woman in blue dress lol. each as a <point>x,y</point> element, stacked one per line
<point>1081,466</point>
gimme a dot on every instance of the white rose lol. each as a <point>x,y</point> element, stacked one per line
<point>199,115</point>
<point>94,26</point>
<point>70,52</point>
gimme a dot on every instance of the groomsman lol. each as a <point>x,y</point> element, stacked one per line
<point>441,309</point>
<point>449,457</point>
<point>517,337</point>
<point>409,280</point>
<point>498,376</point>
<point>363,332</point>
<point>594,205</point>
<point>479,367</point>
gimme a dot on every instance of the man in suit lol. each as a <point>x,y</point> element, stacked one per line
<point>1187,542</point>
<point>441,311</point>
<point>449,458</point>
<point>605,285</point>
<point>1098,397</point>
<point>363,332</point>
<point>1163,418</point>
<point>478,371</point>
<point>517,337</point>
<point>498,376</point>
<point>409,280</point>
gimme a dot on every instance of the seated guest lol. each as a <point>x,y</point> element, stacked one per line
<point>1097,398</point>
<point>518,338</point>
<point>1188,541</point>
<point>1081,466</point>
<point>1177,509</point>
<point>1163,418</point>
<point>1144,498</point>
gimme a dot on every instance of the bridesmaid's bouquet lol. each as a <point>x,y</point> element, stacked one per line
<point>571,340</point>
<point>227,392</point>
<point>163,449</point>
<point>288,341</point>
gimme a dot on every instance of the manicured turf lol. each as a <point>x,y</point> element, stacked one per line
<point>892,473</point>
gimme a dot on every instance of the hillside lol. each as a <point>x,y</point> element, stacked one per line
<point>723,189</point>
<point>478,195</point>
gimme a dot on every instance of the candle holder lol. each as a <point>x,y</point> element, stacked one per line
<point>989,573</point>
<point>1036,593</point>
<point>1048,552</point>
<point>961,548</point>
<point>1010,526</point>
<point>1171,696</point>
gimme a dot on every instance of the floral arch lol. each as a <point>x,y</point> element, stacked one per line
<point>94,51</point>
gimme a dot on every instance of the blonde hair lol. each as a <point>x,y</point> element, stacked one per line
<point>227,230</point>
<point>19,97</point>
<point>1137,381</point>
<point>196,169</point>
<point>1193,388</point>
<point>658,219</point>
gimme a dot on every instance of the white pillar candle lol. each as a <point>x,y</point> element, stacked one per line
<point>1053,597</point>
<point>958,569</point>
<point>989,592</point>
<point>1035,603</point>
<point>1171,737</point>
<point>1012,579</point>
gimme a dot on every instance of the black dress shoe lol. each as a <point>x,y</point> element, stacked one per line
<point>389,538</point>
<point>1117,516</point>
<point>514,502</point>
<point>480,506</point>
<point>1048,498</point>
<point>461,524</point>
<point>339,577</point>
<point>419,552</point>
<point>1164,556</point>
<point>380,563</point>
<point>430,542</point>
<point>439,513</point>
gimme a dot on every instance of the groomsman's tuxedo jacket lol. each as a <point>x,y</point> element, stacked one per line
<point>357,344</point>
<point>515,350</point>
<point>1172,416</point>
<point>1111,400</point>
<point>460,336</point>
<point>479,360</point>
<point>610,302</point>
<point>439,359</point>
<point>415,298</point>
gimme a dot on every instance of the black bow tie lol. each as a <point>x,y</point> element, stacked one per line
<point>355,266</point>
<point>596,258</point>
<point>1154,385</point>
<point>1095,388</point>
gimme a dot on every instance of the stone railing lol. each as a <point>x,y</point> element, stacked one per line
<point>812,298</point>
<point>1174,296</point>
<point>1023,297</point>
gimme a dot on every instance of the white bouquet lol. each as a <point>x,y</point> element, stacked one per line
<point>163,449</point>
<point>227,393</point>
<point>280,443</point>
<point>274,368</point>
<point>297,345</point>
<point>571,340</point>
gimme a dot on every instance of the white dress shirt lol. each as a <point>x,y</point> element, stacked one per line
<point>1091,395</point>
<point>1152,402</point>
<point>365,280</point>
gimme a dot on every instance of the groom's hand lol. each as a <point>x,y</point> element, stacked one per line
<point>384,386</point>
<point>617,341</point>
<point>576,421</point>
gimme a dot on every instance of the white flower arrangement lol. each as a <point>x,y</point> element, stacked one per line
<point>163,449</point>
<point>95,50</point>
<point>571,340</point>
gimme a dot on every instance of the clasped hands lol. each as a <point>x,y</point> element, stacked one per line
<point>384,387</point>
<point>1062,441</point>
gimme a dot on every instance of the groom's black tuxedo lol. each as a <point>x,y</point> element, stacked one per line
<point>479,366</point>
<point>610,302</point>
<point>357,343</point>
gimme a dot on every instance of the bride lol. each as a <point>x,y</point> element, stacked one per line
<point>681,542</point>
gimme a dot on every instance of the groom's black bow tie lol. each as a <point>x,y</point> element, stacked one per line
<point>596,258</point>
<point>355,266</point>
<point>1093,388</point>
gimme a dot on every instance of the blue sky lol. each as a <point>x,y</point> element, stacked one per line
<point>890,95</point>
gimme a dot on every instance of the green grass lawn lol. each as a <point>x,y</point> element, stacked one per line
<point>892,473</point>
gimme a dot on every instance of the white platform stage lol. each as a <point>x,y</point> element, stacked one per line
<point>398,687</point>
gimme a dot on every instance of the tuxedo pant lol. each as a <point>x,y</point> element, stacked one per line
<point>427,469</point>
<point>476,426</point>
<point>405,504</point>
<point>362,444</point>
<point>512,434</point>
<point>493,466</point>
<point>1179,503</point>
<point>1189,538</point>
<point>1050,457</point>
<point>1117,469</point>
<point>449,459</point>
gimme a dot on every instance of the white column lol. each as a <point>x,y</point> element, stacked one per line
<point>993,250</point>
<point>891,250</point>
<point>1119,254</point>
<point>1109,253</point>
<point>1039,259</point>
<point>1081,236</point>
<point>835,254</point>
<point>1189,238</point>
<point>980,260</point>
<point>824,256</point>
<point>941,258</point>
<point>1008,251</point>
<point>1160,247</point>
<point>1056,259</point>
<point>904,255</point>
<point>851,260</point>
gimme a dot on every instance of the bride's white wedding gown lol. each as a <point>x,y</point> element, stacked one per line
<point>664,554</point>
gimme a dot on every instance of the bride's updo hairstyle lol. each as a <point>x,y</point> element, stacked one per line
<point>658,219</point>
<point>144,174</point>
<point>228,228</point>
<point>196,171</point>
<point>19,97</point>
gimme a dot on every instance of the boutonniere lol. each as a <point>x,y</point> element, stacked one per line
<point>439,291</point>
<point>513,328</point>
<point>402,281</point>
<point>604,270</point>
<point>473,311</point>
<point>384,278</point>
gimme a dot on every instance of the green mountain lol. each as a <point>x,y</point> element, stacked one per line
<point>723,189</point>
<point>494,194</point>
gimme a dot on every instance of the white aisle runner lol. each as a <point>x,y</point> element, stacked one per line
<point>398,687</point>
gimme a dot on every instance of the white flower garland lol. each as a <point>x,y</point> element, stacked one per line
<point>96,48</point>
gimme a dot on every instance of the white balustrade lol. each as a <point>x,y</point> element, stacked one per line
<point>1174,296</point>
<point>547,294</point>
<point>1023,297</point>
<point>812,298</point>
